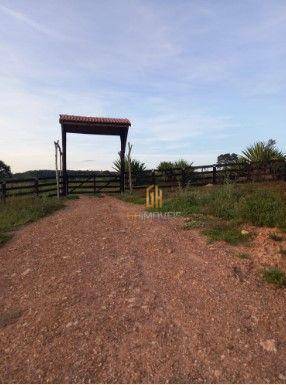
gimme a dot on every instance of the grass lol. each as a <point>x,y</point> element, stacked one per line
<point>19,211</point>
<point>276,237</point>
<point>275,276</point>
<point>243,203</point>
<point>227,232</point>
<point>252,203</point>
<point>132,198</point>
<point>237,204</point>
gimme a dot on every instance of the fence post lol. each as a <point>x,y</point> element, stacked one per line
<point>3,192</point>
<point>36,186</point>
<point>214,175</point>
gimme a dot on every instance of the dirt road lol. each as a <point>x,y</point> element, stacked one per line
<point>92,295</point>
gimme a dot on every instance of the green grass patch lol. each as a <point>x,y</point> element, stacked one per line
<point>19,211</point>
<point>227,232</point>
<point>275,276</point>
<point>263,208</point>
<point>276,237</point>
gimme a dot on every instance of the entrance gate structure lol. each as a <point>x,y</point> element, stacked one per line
<point>94,126</point>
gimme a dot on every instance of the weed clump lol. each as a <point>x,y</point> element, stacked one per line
<point>275,276</point>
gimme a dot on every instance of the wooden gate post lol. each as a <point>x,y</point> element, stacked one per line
<point>123,138</point>
<point>64,149</point>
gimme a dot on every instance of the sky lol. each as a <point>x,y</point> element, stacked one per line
<point>195,78</point>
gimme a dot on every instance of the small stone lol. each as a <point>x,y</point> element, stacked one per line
<point>69,324</point>
<point>244,232</point>
<point>26,272</point>
<point>269,345</point>
<point>217,373</point>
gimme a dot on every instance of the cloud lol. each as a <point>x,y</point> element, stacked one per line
<point>39,27</point>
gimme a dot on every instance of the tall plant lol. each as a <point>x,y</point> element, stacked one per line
<point>262,152</point>
<point>137,167</point>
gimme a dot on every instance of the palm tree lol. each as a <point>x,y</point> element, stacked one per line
<point>137,167</point>
<point>262,152</point>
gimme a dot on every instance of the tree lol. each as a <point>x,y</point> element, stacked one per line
<point>262,152</point>
<point>227,158</point>
<point>5,171</point>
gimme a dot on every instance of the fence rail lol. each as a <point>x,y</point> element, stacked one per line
<point>95,182</point>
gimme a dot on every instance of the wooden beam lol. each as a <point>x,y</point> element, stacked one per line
<point>123,138</point>
<point>64,149</point>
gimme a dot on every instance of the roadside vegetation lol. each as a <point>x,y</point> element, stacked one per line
<point>252,204</point>
<point>20,211</point>
<point>224,211</point>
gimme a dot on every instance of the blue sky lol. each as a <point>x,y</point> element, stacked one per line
<point>196,78</point>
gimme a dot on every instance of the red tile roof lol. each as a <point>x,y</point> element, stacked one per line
<point>93,119</point>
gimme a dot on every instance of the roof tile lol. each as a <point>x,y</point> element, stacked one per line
<point>93,119</point>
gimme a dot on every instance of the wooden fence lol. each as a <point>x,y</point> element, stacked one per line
<point>94,182</point>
